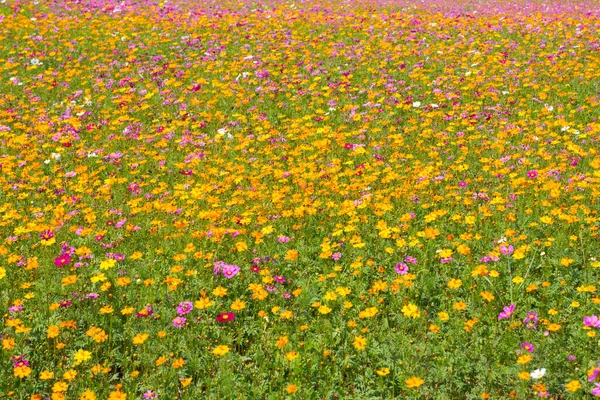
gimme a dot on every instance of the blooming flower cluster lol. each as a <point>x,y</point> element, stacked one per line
<point>350,199</point>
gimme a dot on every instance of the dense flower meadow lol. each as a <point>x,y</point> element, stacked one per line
<point>347,199</point>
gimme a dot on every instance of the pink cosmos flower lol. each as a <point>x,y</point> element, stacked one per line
<point>531,320</point>
<point>591,321</point>
<point>179,322</point>
<point>594,374</point>
<point>506,249</point>
<point>185,307</point>
<point>149,394</point>
<point>410,259</point>
<point>401,268</point>
<point>229,271</point>
<point>532,174</point>
<point>507,312</point>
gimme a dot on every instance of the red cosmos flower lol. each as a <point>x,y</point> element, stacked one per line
<point>225,317</point>
<point>62,260</point>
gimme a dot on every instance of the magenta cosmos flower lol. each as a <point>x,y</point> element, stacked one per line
<point>527,347</point>
<point>225,317</point>
<point>532,174</point>
<point>46,235</point>
<point>62,260</point>
<point>595,371</point>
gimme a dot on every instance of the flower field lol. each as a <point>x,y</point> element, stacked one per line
<point>347,199</point>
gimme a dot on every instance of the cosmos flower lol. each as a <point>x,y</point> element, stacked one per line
<point>538,373</point>
<point>531,320</point>
<point>185,307</point>
<point>150,394</point>
<point>401,268</point>
<point>591,321</point>
<point>62,260</point>
<point>506,250</point>
<point>225,317</point>
<point>506,312</point>
<point>229,271</point>
<point>527,347</point>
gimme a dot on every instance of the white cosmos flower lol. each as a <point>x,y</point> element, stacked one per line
<point>538,373</point>
<point>417,104</point>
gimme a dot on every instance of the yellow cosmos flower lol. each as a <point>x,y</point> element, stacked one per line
<point>81,356</point>
<point>360,343</point>
<point>22,372</point>
<point>411,311</point>
<point>238,305</point>
<point>414,382</point>
<point>140,338</point>
<point>221,350</point>
<point>454,283</point>
<point>573,386</point>
<point>291,389</point>
<point>87,395</point>
<point>45,375</point>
